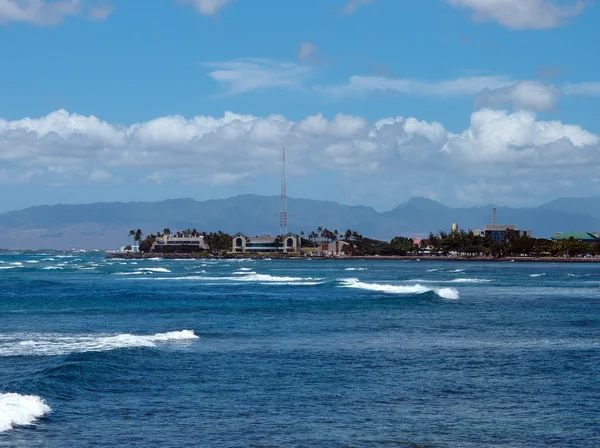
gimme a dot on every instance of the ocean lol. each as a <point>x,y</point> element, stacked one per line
<point>311,353</point>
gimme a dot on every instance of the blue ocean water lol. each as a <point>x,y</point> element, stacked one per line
<point>173,353</point>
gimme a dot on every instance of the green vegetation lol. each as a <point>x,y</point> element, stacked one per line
<point>463,244</point>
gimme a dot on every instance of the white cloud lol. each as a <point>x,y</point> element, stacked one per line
<point>522,14</point>
<point>406,154</point>
<point>38,12</point>
<point>208,7</point>
<point>358,85</point>
<point>306,51</point>
<point>244,75</point>
<point>585,89</point>
<point>353,5</point>
<point>531,95</point>
<point>100,13</point>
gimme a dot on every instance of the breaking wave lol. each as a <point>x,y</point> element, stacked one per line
<point>153,269</point>
<point>445,293</point>
<point>61,344</point>
<point>19,410</point>
<point>249,277</point>
<point>537,275</point>
<point>355,269</point>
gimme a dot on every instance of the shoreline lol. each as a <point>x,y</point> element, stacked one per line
<point>275,256</point>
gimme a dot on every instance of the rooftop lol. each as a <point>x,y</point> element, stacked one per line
<point>581,236</point>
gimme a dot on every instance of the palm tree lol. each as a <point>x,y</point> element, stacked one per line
<point>167,231</point>
<point>132,234</point>
<point>138,234</point>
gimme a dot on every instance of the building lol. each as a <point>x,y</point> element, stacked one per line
<point>497,232</point>
<point>165,243</point>
<point>332,249</point>
<point>586,237</point>
<point>265,244</point>
<point>454,228</point>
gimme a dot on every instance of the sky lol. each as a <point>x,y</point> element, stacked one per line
<point>467,102</point>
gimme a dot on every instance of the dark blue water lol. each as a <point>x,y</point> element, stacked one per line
<point>298,353</point>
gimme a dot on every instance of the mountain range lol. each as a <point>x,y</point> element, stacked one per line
<point>106,225</point>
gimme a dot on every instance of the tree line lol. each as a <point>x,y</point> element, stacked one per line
<point>457,243</point>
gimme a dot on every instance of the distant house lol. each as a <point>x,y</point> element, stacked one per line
<point>332,249</point>
<point>166,243</point>
<point>265,244</point>
<point>586,237</point>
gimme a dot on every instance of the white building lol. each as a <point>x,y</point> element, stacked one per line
<point>167,241</point>
<point>265,244</point>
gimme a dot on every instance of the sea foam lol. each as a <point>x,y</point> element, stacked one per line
<point>18,410</point>
<point>445,293</point>
<point>61,344</point>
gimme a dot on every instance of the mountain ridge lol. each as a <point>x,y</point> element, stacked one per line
<point>105,225</point>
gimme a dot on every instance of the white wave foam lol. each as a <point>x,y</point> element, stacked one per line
<point>17,410</point>
<point>61,344</point>
<point>458,270</point>
<point>355,269</point>
<point>433,270</point>
<point>537,275</point>
<point>153,269</point>
<point>17,263</point>
<point>47,259</point>
<point>249,277</point>
<point>446,293</point>
<point>8,267</point>
<point>245,269</point>
<point>32,261</point>
<point>49,268</point>
<point>130,273</point>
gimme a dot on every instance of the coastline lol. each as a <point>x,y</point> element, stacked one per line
<point>276,256</point>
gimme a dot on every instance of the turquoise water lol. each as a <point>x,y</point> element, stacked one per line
<point>297,353</point>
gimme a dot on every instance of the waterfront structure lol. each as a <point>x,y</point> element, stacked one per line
<point>265,244</point>
<point>332,249</point>
<point>586,237</point>
<point>497,232</point>
<point>166,242</point>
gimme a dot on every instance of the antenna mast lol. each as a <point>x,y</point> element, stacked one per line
<point>494,215</point>
<point>283,218</point>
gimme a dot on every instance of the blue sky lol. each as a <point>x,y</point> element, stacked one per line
<point>463,101</point>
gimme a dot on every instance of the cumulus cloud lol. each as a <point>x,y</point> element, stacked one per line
<point>531,95</point>
<point>405,153</point>
<point>38,12</point>
<point>208,7</point>
<point>522,14</point>
<point>244,75</point>
<point>353,5</point>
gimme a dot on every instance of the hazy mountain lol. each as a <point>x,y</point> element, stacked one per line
<point>106,225</point>
<point>590,206</point>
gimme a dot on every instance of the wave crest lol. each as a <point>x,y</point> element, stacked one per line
<point>445,293</point>
<point>18,410</point>
<point>60,344</point>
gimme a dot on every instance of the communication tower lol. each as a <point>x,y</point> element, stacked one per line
<point>494,215</point>
<point>283,218</point>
